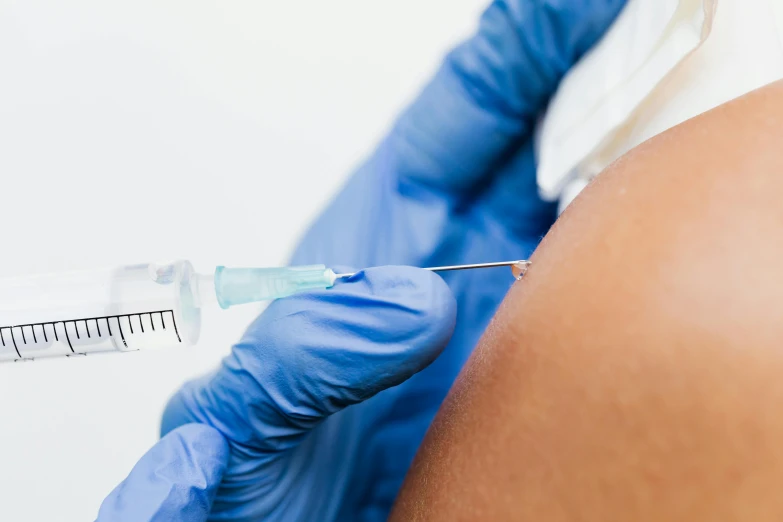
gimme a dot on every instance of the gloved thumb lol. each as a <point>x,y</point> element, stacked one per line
<point>176,480</point>
<point>309,356</point>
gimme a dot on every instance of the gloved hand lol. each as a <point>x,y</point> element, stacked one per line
<point>454,182</point>
<point>305,358</point>
<point>176,480</point>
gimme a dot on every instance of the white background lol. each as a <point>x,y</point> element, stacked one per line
<point>148,131</point>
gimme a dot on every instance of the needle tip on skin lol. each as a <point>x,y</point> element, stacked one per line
<point>518,268</point>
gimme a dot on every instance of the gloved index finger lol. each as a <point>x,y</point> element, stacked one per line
<point>308,356</point>
<point>489,91</point>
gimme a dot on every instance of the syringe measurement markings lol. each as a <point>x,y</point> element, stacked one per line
<point>161,312</point>
<point>68,337</point>
<point>13,338</point>
<point>75,322</point>
<point>122,335</point>
<point>176,330</point>
<point>2,338</point>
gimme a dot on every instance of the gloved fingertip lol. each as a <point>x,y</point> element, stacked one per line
<point>423,292</point>
<point>374,331</point>
<point>401,318</point>
<point>178,478</point>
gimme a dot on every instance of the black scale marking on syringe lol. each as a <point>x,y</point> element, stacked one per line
<point>86,325</point>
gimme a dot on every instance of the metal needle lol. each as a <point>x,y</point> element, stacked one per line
<point>519,264</point>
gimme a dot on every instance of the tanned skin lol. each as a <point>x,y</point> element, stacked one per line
<point>636,372</point>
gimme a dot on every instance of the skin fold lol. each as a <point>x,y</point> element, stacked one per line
<point>636,372</point>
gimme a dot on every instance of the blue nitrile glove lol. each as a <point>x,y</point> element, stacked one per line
<point>454,182</point>
<point>305,358</point>
<point>176,480</point>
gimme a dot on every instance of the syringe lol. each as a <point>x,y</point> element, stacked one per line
<point>143,306</point>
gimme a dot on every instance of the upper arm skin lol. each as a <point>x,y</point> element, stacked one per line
<point>636,372</point>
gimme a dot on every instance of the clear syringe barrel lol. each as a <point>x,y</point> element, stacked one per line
<point>122,309</point>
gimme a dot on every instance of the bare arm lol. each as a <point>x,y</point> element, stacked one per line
<point>636,373</point>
